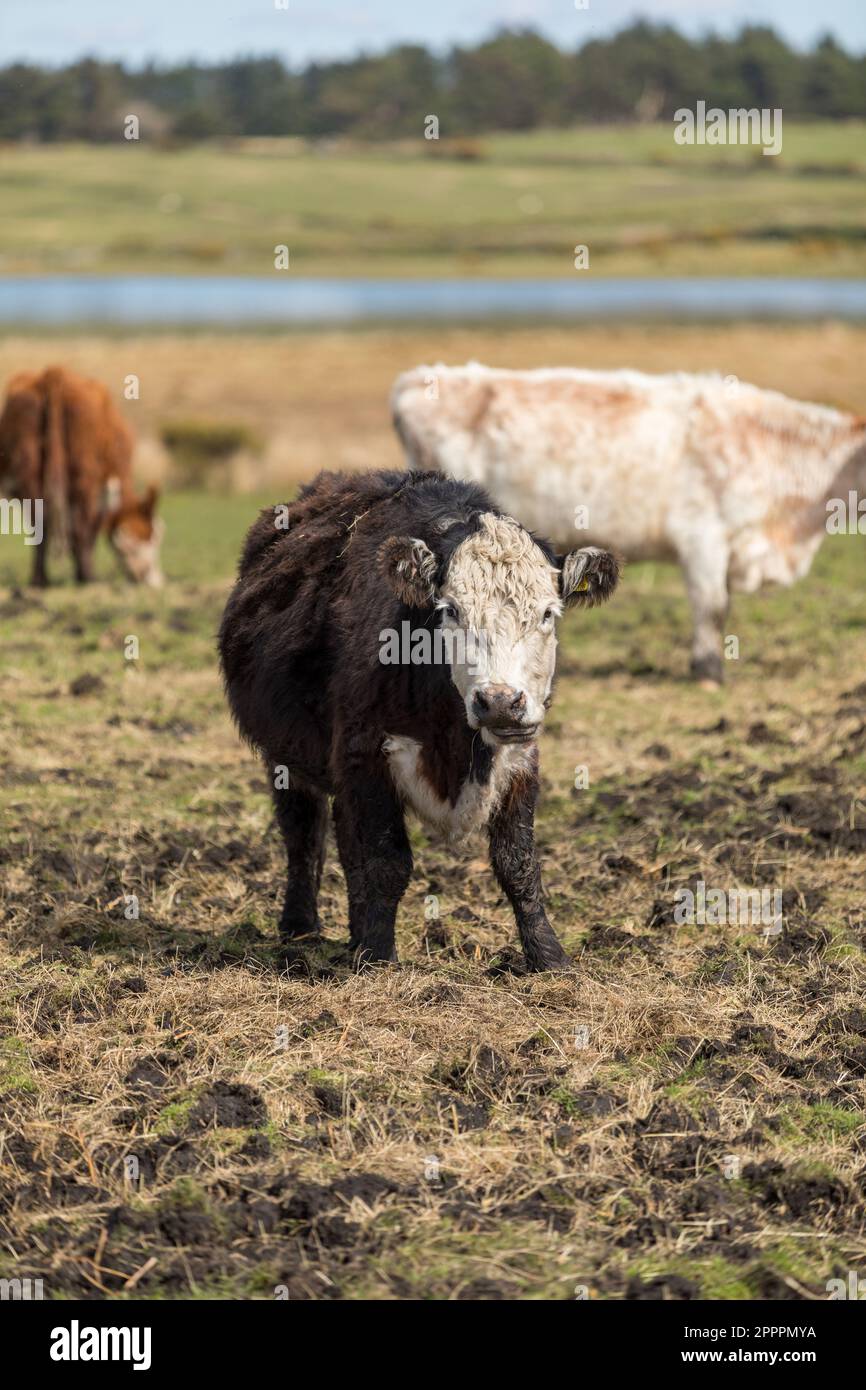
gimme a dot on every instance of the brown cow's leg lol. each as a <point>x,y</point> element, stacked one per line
<point>515,863</point>
<point>29,489</point>
<point>83,556</point>
<point>85,528</point>
<point>39,578</point>
<point>302,816</point>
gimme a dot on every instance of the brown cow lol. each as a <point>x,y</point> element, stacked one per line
<point>63,442</point>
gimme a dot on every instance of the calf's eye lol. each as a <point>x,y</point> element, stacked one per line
<point>450,612</point>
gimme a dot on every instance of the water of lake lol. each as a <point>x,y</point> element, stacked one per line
<point>216,300</point>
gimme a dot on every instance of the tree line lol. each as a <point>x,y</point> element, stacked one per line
<point>516,80</point>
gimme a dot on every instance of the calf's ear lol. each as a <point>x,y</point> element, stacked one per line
<point>588,576</point>
<point>409,567</point>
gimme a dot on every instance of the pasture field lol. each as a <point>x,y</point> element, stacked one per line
<point>320,400</point>
<point>516,207</point>
<point>190,1111</point>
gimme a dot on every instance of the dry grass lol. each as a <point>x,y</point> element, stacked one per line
<point>438,1131</point>
<point>320,401</point>
<point>445,1130</point>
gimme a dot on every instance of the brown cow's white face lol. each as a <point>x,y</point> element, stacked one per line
<point>136,535</point>
<point>500,598</point>
<point>139,555</point>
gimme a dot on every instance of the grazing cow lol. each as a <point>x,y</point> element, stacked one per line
<point>731,481</point>
<point>328,589</point>
<point>63,441</point>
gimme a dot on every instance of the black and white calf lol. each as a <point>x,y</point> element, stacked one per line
<point>323,586</point>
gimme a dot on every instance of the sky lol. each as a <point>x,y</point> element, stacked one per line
<point>58,31</point>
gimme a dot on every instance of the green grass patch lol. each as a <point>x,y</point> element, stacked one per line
<point>16,1072</point>
<point>647,206</point>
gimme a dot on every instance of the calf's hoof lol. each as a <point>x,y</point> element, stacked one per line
<point>366,957</point>
<point>291,928</point>
<point>553,958</point>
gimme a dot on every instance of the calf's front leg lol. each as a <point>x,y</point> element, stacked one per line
<point>515,863</point>
<point>377,861</point>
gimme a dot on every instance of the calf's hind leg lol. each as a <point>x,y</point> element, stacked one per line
<point>302,816</point>
<point>351,858</point>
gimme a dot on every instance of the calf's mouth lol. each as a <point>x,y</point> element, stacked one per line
<point>525,734</point>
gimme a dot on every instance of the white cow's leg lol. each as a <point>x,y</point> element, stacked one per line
<point>705,564</point>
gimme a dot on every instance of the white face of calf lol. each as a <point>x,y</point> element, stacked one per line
<point>499,599</point>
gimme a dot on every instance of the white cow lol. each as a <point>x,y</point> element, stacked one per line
<point>731,481</point>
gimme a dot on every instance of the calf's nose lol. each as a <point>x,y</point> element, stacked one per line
<point>499,706</point>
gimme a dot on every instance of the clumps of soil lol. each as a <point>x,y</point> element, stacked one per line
<point>314,959</point>
<point>468,1088</point>
<point>164,1158</point>
<point>659,751</point>
<point>803,1196</point>
<point>485,1074</point>
<point>825,817</point>
<point>760,733</point>
<point>507,961</point>
<point>324,1022</point>
<point>255,1149</point>
<point>333,1100</point>
<point>619,865</point>
<point>662,1288</point>
<point>149,1075</point>
<point>848,1021</point>
<point>554,1163</point>
<point>228,1105</point>
<point>87,684</point>
<point>436,936</point>
<point>18,602</point>
<point>487,1291</point>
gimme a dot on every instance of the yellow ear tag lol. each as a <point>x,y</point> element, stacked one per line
<point>582,586</point>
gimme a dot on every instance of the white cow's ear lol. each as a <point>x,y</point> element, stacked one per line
<point>588,576</point>
<point>409,566</point>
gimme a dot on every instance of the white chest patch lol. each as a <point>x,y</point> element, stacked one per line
<point>477,800</point>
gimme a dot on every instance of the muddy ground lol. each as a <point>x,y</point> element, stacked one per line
<point>189,1111</point>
